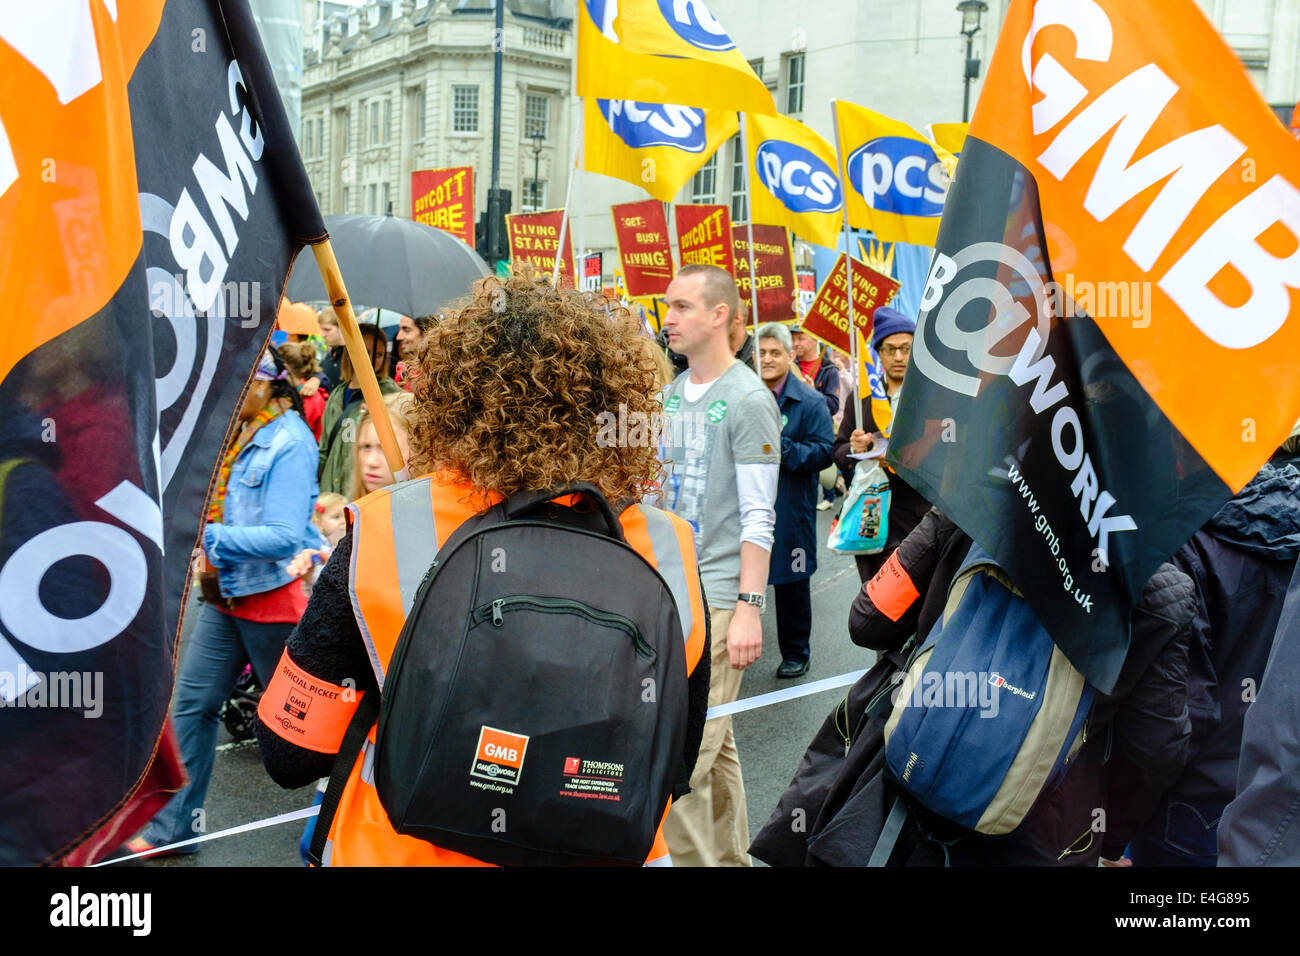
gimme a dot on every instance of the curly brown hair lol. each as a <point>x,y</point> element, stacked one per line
<point>512,385</point>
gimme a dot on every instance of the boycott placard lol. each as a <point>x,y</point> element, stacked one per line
<point>641,231</point>
<point>828,316</point>
<point>773,271</point>
<point>703,236</point>
<point>535,237</point>
<point>444,199</point>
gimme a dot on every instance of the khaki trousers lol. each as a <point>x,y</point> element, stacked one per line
<point>710,825</point>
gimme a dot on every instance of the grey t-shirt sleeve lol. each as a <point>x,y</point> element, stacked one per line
<point>756,430</point>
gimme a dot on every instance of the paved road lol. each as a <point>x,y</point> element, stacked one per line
<point>771,740</point>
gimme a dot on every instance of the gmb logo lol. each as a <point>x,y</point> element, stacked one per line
<point>641,125</point>
<point>974,277</point>
<point>899,175</point>
<point>692,21</point>
<point>797,177</point>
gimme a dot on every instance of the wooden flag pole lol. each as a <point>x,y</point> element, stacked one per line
<point>749,200</point>
<point>362,363</point>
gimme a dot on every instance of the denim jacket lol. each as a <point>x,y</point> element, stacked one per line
<point>269,500</point>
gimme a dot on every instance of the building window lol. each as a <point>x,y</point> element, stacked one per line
<point>372,194</point>
<point>739,205</point>
<point>388,119</point>
<point>347,197</point>
<point>384,199</point>
<point>757,67</point>
<point>704,184</point>
<point>419,115</point>
<point>534,195</point>
<point>347,132</point>
<point>374,123</point>
<point>794,83</point>
<point>320,136</point>
<point>537,116</point>
<point>464,109</point>
<point>307,142</point>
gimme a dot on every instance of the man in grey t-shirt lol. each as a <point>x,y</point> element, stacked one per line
<point>722,445</point>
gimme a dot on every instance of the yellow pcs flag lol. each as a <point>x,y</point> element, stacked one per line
<point>655,52</point>
<point>895,183</point>
<point>793,174</point>
<point>654,146</point>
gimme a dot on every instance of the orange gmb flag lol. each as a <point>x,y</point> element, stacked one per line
<point>152,201</point>
<point>1109,325</point>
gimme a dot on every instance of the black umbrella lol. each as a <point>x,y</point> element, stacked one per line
<point>394,264</point>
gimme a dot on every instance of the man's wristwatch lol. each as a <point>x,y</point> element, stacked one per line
<point>749,597</point>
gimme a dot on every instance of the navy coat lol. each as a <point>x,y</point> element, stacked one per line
<point>806,439</point>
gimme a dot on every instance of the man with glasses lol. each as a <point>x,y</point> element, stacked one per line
<point>891,339</point>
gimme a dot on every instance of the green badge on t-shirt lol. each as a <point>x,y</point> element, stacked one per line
<point>785,419</point>
<point>670,406</point>
<point>717,411</point>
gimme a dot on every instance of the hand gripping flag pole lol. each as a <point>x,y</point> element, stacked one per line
<point>362,363</point>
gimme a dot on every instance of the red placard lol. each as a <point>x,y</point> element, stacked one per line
<point>703,234</point>
<point>828,319</point>
<point>641,231</point>
<point>773,268</point>
<point>534,238</point>
<point>444,199</point>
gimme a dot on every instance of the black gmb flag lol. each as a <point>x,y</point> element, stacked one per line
<point>152,201</point>
<point>1106,348</point>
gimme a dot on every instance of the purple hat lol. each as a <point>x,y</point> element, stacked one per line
<point>267,370</point>
<point>889,322</point>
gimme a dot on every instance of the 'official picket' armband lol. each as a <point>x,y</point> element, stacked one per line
<point>306,710</point>
<point>892,590</point>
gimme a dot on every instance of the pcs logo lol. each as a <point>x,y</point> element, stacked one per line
<point>899,175</point>
<point>692,21</point>
<point>797,177</point>
<point>642,125</point>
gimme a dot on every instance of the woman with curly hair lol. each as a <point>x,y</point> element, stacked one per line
<point>511,395</point>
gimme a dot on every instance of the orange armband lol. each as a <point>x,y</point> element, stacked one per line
<point>892,590</point>
<point>306,710</point>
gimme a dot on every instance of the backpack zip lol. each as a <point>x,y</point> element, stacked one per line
<point>495,611</point>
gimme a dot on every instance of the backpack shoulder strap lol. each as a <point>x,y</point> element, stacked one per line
<point>354,738</point>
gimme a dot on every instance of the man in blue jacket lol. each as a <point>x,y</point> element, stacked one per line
<point>806,439</point>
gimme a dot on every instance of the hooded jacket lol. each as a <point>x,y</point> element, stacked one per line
<point>1138,742</point>
<point>1241,563</point>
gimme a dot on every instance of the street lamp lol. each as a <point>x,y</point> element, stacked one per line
<point>971,12</point>
<point>538,139</point>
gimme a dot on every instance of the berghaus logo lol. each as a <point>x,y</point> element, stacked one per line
<point>997,680</point>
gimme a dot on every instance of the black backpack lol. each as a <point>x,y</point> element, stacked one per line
<point>534,711</point>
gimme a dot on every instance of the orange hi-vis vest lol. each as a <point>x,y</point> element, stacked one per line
<point>395,534</point>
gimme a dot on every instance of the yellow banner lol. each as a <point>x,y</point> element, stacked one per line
<point>895,183</point>
<point>656,147</point>
<point>793,176</point>
<point>655,52</point>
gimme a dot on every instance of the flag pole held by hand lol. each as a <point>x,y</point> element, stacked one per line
<point>362,363</point>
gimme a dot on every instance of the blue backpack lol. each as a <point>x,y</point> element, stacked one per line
<point>989,714</point>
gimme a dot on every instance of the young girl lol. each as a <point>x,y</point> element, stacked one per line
<point>328,517</point>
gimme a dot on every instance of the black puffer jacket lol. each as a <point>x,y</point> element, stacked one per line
<point>1241,563</point>
<point>1138,742</point>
